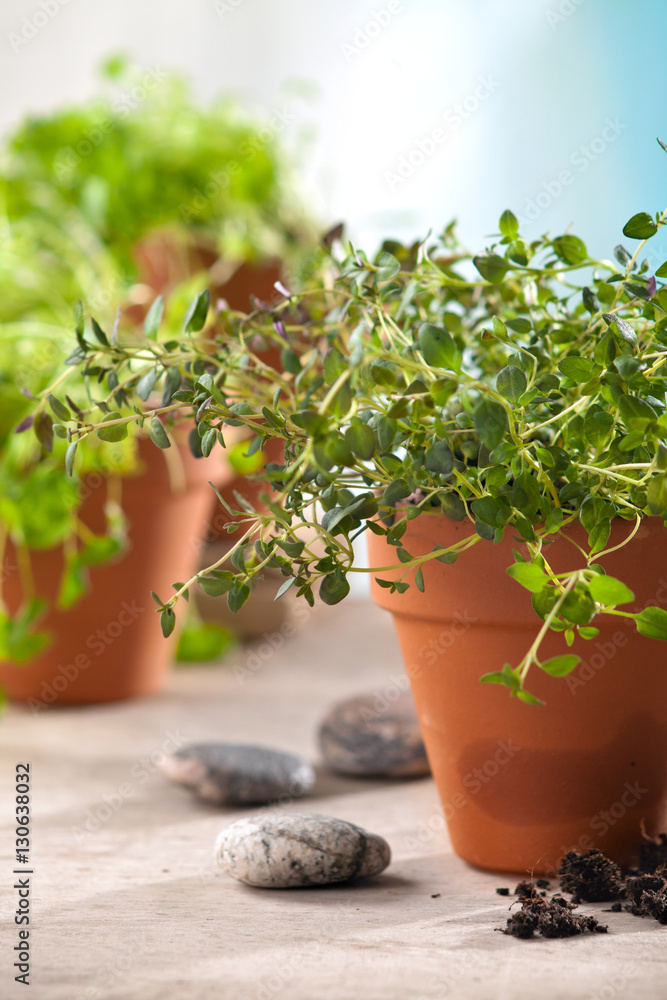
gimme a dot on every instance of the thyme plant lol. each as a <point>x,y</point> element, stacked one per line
<point>520,391</point>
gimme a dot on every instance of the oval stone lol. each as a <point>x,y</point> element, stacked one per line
<point>371,736</point>
<point>299,849</point>
<point>236,774</point>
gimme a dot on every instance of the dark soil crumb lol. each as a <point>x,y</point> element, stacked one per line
<point>526,890</point>
<point>653,854</point>
<point>504,891</point>
<point>648,896</point>
<point>635,887</point>
<point>654,904</point>
<point>591,877</point>
<point>542,883</point>
<point>552,919</point>
<point>614,908</point>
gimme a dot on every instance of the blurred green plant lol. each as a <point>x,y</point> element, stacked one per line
<point>80,188</point>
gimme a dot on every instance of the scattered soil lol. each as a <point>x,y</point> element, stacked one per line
<point>551,918</point>
<point>591,877</point>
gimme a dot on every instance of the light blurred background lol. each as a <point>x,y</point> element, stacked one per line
<point>550,107</point>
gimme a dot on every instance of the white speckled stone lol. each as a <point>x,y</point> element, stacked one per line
<point>236,774</point>
<point>299,849</point>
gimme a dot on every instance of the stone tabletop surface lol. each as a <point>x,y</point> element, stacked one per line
<point>128,905</point>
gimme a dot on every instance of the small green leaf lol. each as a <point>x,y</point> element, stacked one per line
<point>208,441</point>
<point>590,301</point>
<point>570,249</point>
<point>509,225</point>
<point>118,432</point>
<point>526,494</point>
<point>154,318</point>
<point>99,332</point>
<point>59,409</point>
<point>529,576</point>
<point>145,384</point>
<point>576,368</point>
<point>490,420</point>
<point>197,313</point>
<point>636,412</point>
<point>578,606</point>
<point>388,268</point>
<point>560,666</point>
<point>284,587</point>
<point>640,227</point>
<point>99,549</point>
<point>43,427</point>
<point>490,511</point>
<point>439,458</point>
<point>69,458</point>
<point>334,588</point>
<point>495,677</point>
<point>652,622</point>
<point>72,583</point>
<point>158,434</point>
<point>334,365</point>
<point>599,536</point>
<point>492,267</point>
<point>361,439</point>
<point>167,622</point>
<point>290,361</point>
<point>511,383</point>
<point>217,583</point>
<point>203,643</point>
<point>597,425</point>
<point>237,596</point>
<point>314,424</point>
<point>530,699</point>
<point>452,506</point>
<point>657,495</point>
<point>78,319</point>
<point>438,347</point>
<point>608,590</point>
<point>172,381</point>
<point>553,520</point>
<point>397,490</point>
<point>622,327</point>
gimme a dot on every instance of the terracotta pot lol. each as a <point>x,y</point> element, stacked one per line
<point>260,616</point>
<point>165,258</point>
<point>109,645</point>
<point>521,784</point>
<point>249,489</point>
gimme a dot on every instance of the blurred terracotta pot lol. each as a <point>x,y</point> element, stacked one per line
<point>520,784</point>
<point>165,258</point>
<point>109,645</point>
